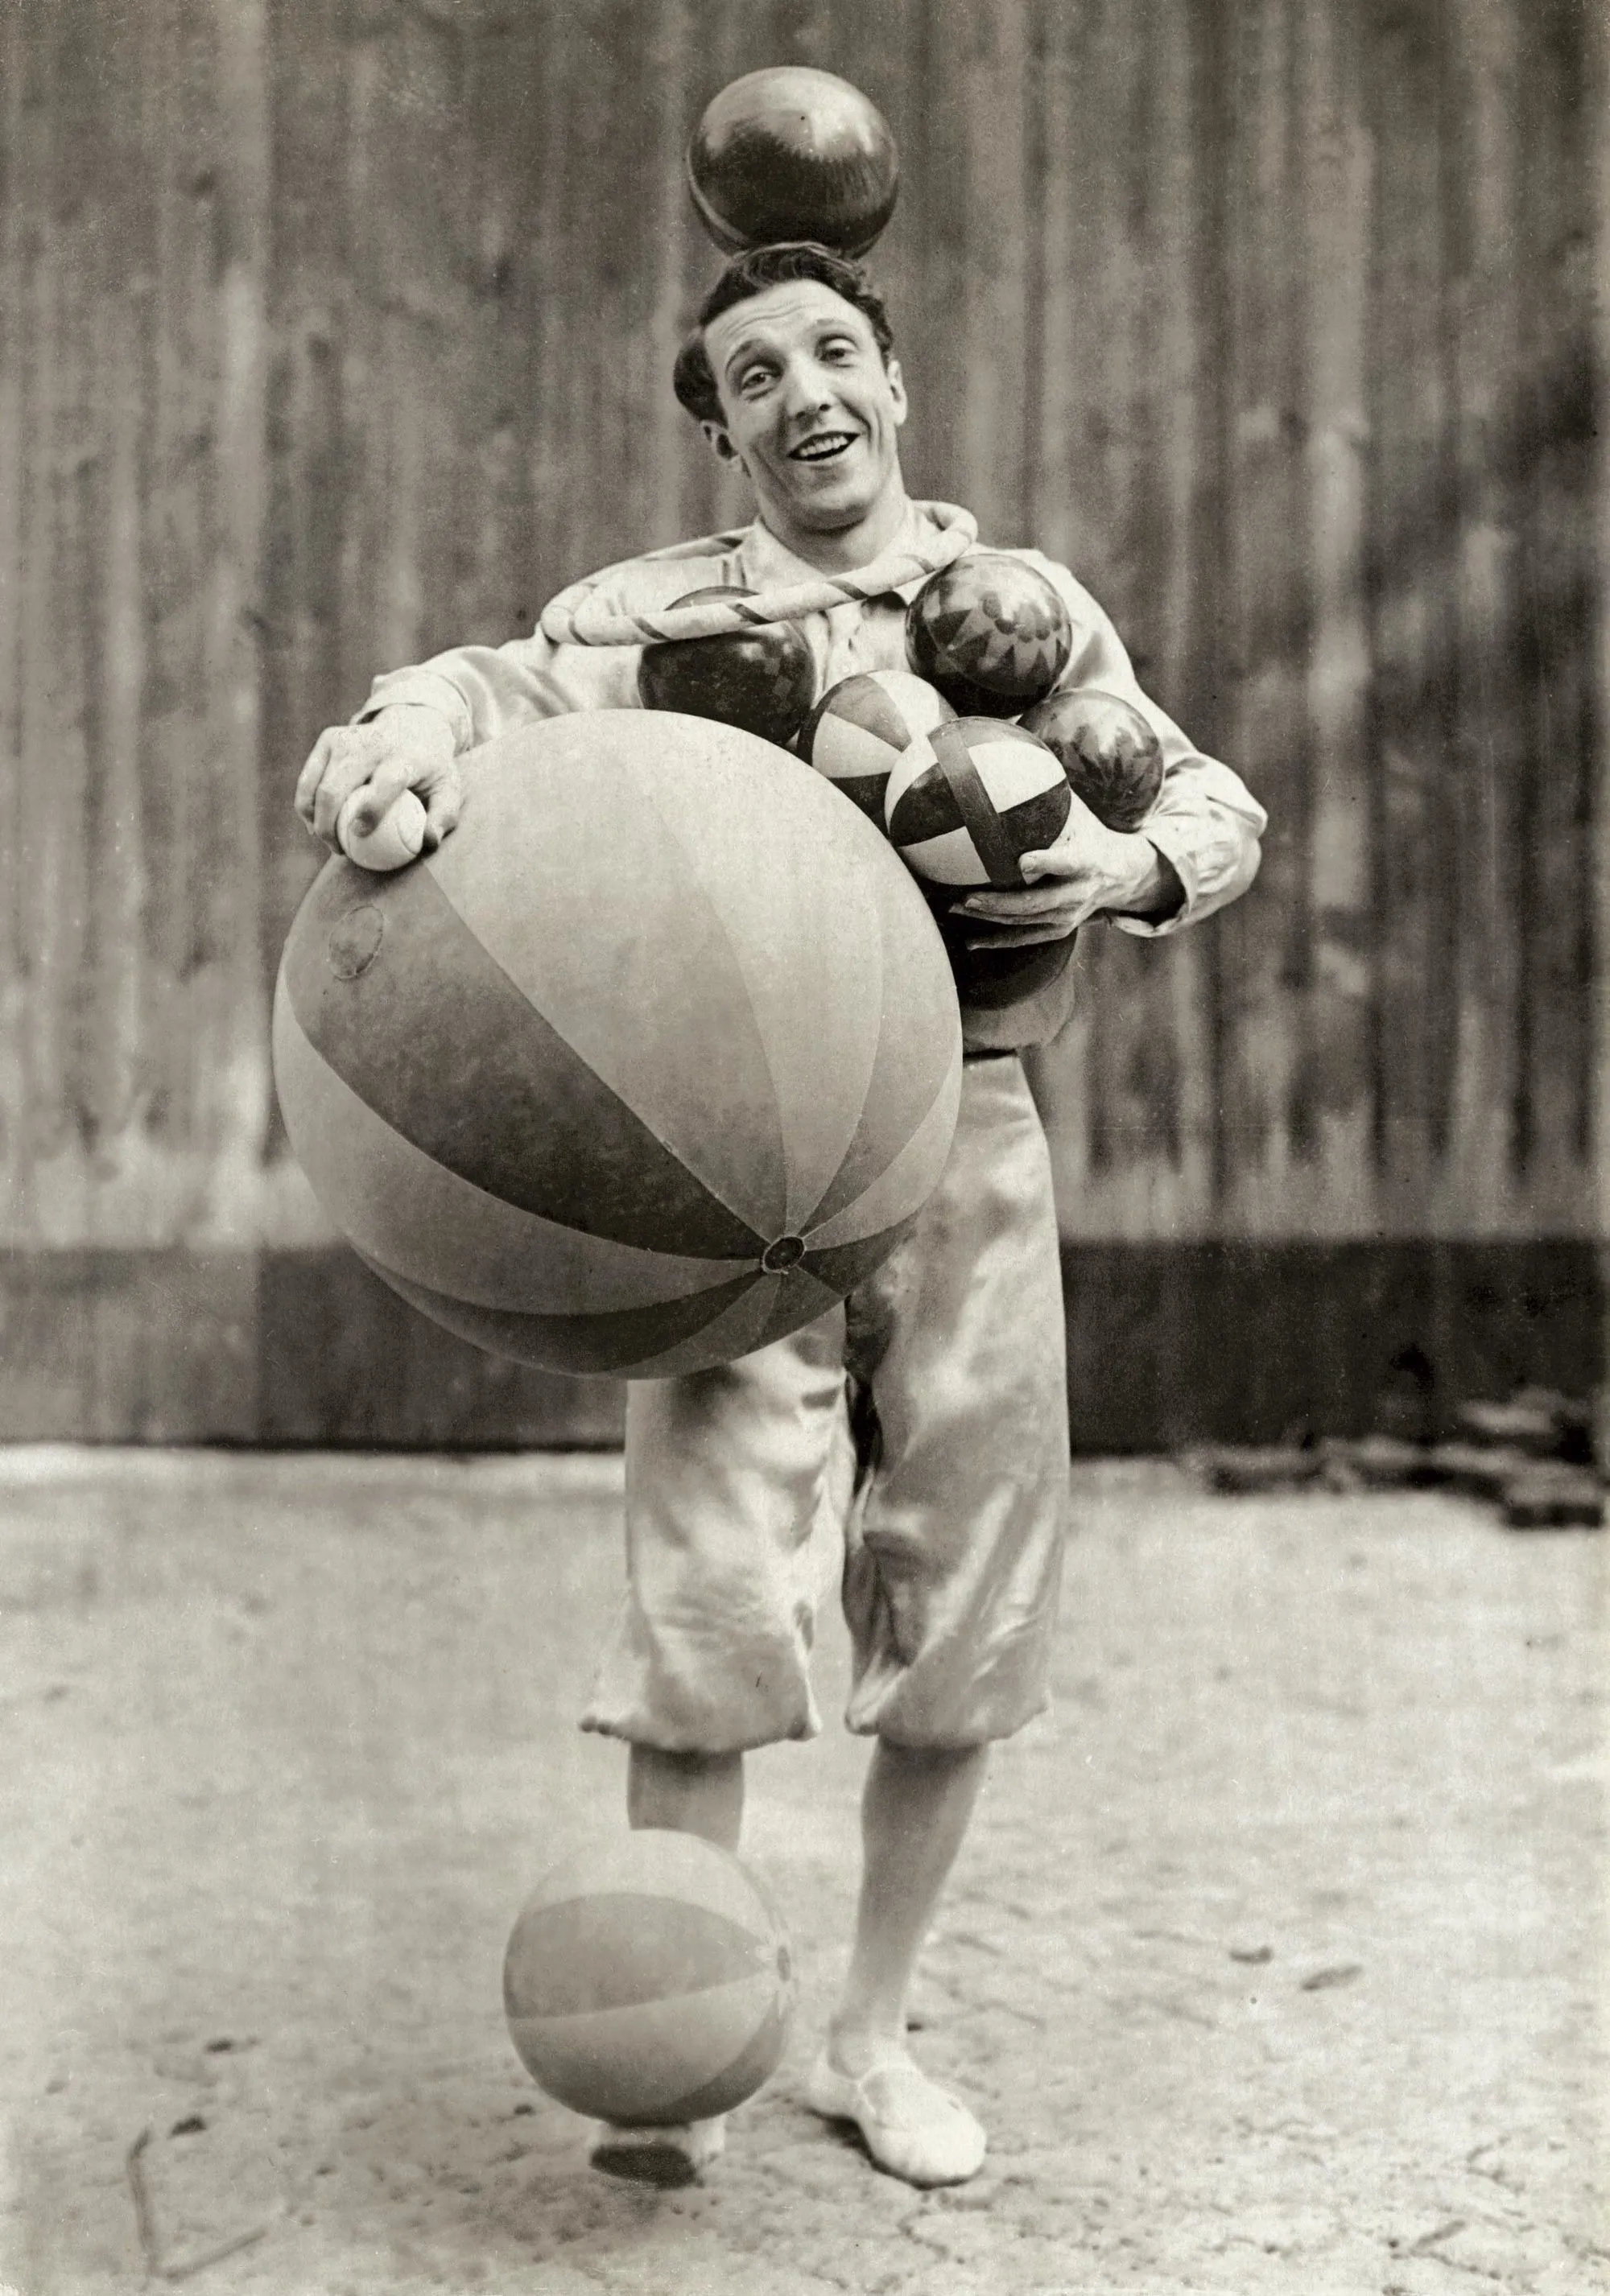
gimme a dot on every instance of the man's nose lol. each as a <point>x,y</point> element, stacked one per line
<point>807,389</point>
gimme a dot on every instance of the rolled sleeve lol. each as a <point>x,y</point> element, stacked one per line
<point>485,690</point>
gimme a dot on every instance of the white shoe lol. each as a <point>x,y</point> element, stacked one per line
<point>677,2154</point>
<point>911,2126</point>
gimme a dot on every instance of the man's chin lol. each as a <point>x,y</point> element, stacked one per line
<point>833,504</point>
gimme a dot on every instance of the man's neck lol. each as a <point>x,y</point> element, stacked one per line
<point>842,550</point>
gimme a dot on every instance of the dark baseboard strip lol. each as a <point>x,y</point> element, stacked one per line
<point>1168,1345</point>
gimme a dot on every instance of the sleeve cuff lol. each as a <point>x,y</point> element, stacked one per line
<point>1172,840</point>
<point>429,690</point>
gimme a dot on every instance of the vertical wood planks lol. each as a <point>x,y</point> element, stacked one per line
<point>1481,177</point>
<point>1335,186</point>
<point>1415,858</point>
<point>1266,946</point>
<point>331,335</point>
<point>1554,443</point>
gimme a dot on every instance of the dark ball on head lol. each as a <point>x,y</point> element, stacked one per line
<point>990,632</point>
<point>792,153</point>
<point>1109,753</point>
<point>762,679</point>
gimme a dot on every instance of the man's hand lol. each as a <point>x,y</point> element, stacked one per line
<point>1090,871</point>
<point>406,747</point>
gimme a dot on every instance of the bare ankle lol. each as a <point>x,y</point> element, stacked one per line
<point>856,2044</point>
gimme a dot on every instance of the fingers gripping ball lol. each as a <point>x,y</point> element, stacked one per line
<point>790,153</point>
<point>861,727</point>
<point>763,679</point>
<point>612,1081</point>
<point>966,801</point>
<point>650,1980</point>
<point>395,839</point>
<point>990,632</point>
<point>1109,753</point>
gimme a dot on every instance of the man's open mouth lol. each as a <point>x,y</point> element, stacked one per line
<point>824,447</point>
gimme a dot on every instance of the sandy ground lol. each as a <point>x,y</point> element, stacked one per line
<point>1275,1962</point>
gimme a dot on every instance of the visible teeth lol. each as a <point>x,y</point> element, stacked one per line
<point>817,449</point>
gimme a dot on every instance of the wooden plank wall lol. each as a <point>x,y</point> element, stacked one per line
<point>333,332</point>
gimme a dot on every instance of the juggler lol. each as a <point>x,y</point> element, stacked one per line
<point>915,1442</point>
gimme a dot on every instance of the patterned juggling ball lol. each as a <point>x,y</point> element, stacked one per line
<point>966,801</point>
<point>649,1980</point>
<point>651,1061</point>
<point>790,153</point>
<point>859,727</point>
<point>1109,753</point>
<point>762,679</point>
<point>991,632</point>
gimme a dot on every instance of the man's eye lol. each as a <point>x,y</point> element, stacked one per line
<point>839,351</point>
<point>754,379</point>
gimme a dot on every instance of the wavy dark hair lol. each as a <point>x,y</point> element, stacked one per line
<point>750,273</point>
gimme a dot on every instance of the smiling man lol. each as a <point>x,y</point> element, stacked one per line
<point>913,1444</point>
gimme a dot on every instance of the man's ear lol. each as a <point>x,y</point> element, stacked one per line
<point>720,443</point>
<point>897,388</point>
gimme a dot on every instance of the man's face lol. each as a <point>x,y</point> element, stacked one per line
<point>811,412</point>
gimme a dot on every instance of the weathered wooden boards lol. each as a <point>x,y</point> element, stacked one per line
<point>331,335</point>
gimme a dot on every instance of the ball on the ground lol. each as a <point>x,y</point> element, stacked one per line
<point>861,727</point>
<point>651,1061</point>
<point>394,839</point>
<point>1109,753</point>
<point>991,632</point>
<point>966,801</point>
<point>789,153</point>
<point>650,1980</point>
<point>762,679</point>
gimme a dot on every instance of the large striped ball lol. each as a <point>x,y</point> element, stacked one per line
<point>648,1064</point>
<point>991,632</point>
<point>859,727</point>
<point>966,801</point>
<point>650,1980</point>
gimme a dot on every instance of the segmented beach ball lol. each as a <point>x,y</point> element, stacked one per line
<point>653,1059</point>
<point>650,1980</point>
<point>966,801</point>
<point>859,727</point>
<point>1109,753</point>
<point>762,679</point>
<point>789,154</point>
<point>991,632</point>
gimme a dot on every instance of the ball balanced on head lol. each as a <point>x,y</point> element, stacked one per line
<point>649,1063</point>
<point>791,154</point>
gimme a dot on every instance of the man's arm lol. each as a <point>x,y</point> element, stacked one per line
<point>418,722</point>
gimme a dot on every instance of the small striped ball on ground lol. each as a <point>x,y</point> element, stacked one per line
<point>966,803</point>
<point>861,727</point>
<point>649,1980</point>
